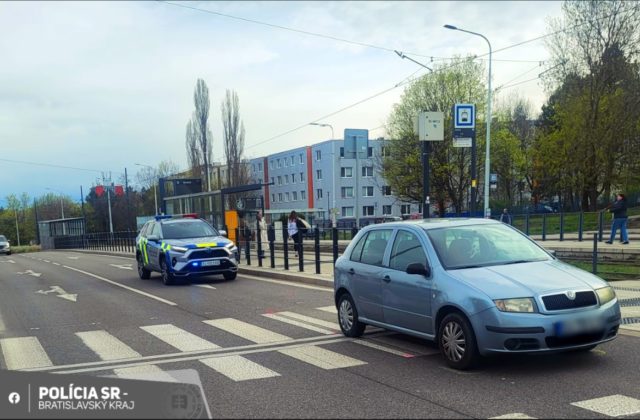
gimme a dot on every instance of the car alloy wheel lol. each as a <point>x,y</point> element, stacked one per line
<point>348,317</point>
<point>453,341</point>
<point>346,314</point>
<point>142,272</point>
<point>167,277</point>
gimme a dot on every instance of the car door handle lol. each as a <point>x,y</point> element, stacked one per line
<point>352,271</point>
<point>387,279</point>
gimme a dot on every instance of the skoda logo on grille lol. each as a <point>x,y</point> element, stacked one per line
<point>571,295</point>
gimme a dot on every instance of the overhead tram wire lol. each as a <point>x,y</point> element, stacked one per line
<point>309,33</point>
<point>53,165</point>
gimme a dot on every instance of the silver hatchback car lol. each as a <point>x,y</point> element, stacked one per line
<point>475,286</point>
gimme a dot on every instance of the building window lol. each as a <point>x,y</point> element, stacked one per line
<point>253,167</point>
<point>271,164</point>
<point>273,198</point>
<point>342,152</point>
<point>318,193</point>
<point>279,180</point>
<point>405,209</point>
<point>300,160</point>
<point>303,195</point>
<point>293,178</point>
<point>286,197</point>
<point>279,163</point>
<point>260,166</point>
<point>319,174</point>
<point>384,151</point>
<point>286,162</point>
<point>386,190</point>
<point>367,171</point>
<point>286,180</point>
<point>259,180</point>
<point>294,195</point>
<point>386,210</point>
<point>318,154</point>
<point>347,212</point>
<point>367,191</point>
<point>369,151</point>
<point>346,172</point>
<point>279,196</point>
<point>272,180</point>
<point>301,176</point>
<point>367,210</point>
<point>292,161</point>
<point>347,192</point>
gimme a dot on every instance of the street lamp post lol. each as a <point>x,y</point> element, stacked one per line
<point>155,193</point>
<point>487,161</point>
<point>333,175</point>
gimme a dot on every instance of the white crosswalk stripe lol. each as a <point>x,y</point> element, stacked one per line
<point>24,353</point>
<point>331,309</point>
<point>108,347</point>
<point>286,320</point>
<point>247,331</point>
<point>322,358</point>
<point>237,368</point>
<point>513,416</point>
<point>612,406</point>
<point>310,320</point>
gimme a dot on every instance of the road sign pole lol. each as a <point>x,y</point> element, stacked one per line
<point>425,180</point>
<point>474,180</point>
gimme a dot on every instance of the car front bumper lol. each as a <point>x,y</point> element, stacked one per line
<point>505,332</point>
<point>183,267</point>
<point>5,249</point>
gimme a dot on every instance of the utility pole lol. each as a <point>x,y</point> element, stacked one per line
<point>15,210</point>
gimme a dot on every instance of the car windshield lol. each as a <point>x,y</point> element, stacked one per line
<point>184,230</point>
<point>3,239</point>
<point>483,245</point>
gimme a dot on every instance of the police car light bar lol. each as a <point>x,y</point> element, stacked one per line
<point>163,217</point>
<point>190,215</point>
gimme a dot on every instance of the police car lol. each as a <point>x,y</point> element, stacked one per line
<point>183,246</point>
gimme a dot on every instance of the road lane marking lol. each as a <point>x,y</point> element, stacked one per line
<point>24,353</point>
<point>310,320</point>
<point>392,340</point>
<point>612,406</point>
<point>322,358</point>
<point>7,261</point>
<point>73,258</point>
<point>239,368</point>
<point>288,283</point>
<point>365,343</point>
<point>61,293</point>
<point>331,309</point>
<point>277,317</point>
<point>191,356</point>
<point>55,263</point>
<point>205,286</point>
<point>247,331</point>
<point>108,347</point>
<point>179,338</point>
<point>131,289</point>
<point>122,266</point>
<point>47,261</point>
<point>513,416</point>
<point>30,273</point>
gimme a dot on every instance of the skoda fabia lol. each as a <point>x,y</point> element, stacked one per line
<point>475,286</point>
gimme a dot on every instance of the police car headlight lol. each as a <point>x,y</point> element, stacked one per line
<point>179,249</point>
<point>231,247</point>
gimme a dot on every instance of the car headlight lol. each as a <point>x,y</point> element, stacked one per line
<point>179,249</point>
<point>605,294</point>
<point>515,305</point>
<point>231,246</point>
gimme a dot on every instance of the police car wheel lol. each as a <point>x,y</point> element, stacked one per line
<point>167,277</point>
<point>230,276</point>
<point>142,272</point>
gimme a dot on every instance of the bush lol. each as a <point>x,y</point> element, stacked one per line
<point>25,248</point>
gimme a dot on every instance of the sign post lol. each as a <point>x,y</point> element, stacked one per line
<point>464,135</point>
<point>430,127</point>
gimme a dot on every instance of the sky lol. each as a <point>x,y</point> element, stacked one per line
<point>100,86</point>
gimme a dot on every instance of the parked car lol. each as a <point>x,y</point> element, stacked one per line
<point>475,286</point>
<point>184,246</point>
<point>5,246</point>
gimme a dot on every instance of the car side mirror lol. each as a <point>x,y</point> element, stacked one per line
<point>153,238</point>
<point>419,268</point>
<point>223,233</point>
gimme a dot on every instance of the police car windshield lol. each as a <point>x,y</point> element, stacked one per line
<point>185,230</point>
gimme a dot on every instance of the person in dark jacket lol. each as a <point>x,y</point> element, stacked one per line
<point>505,217</point>
<point>619,210</point>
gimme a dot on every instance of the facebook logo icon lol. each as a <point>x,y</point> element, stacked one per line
<point>14,398</point>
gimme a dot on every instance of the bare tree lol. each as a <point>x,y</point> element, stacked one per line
<point>198,134</point>
<point>194,156</point>
<point>233,140</point>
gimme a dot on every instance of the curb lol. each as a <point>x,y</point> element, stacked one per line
<point>242,269</point>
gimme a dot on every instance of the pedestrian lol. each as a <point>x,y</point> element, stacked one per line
<point>505,217</point>
<point>262,226</point>
<point>619,210</point>
<point>292,229</point>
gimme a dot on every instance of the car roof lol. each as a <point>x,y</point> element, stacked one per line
<point>181,220</point>
<point>437,223</point>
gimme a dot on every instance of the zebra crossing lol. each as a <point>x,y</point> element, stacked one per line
<point>610,406</point>
<point>27,353</point>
